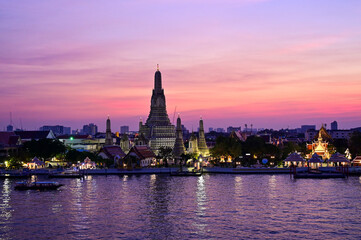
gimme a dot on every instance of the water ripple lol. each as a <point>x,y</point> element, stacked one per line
<point>163,207</point>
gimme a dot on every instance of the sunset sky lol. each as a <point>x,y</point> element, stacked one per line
<point>273,64</point>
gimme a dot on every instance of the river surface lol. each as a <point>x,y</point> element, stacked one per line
<point>162,207</point>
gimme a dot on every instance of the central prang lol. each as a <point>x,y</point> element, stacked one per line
<point>158,130</point>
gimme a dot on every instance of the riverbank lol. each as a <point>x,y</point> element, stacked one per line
<point>213,170</point>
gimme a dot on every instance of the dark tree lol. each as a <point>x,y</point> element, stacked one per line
<point>74,156</point>
<point>131,162</point>
<point>226,146</point>
<point>165,153</point>
<point>254,145</point>
<point>355,144</point>
<point>290,147</point>
<point>44,148</point>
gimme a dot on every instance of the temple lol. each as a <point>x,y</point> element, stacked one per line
<point>198,146</point>
<point>202,145</point>
<point>193,145</point>
<point>108,134</point>
<point>179,148</point>
<point>158,129</point>
<point>320,146</point>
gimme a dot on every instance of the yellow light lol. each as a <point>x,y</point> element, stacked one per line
<point>6,163</point>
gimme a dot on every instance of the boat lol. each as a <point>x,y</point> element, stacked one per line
<point>37,185</point>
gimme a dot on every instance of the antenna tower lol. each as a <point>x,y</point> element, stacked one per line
<point>175,109</point>
<point>11,119</point>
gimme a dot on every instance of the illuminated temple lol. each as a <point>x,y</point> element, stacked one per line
<point>158,129</point>
<point>202,145</point>
<point>320,146</point>
<point>179,148</point>
<point>198,146</point>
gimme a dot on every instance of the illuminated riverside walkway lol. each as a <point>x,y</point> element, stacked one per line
<point>213,170</point>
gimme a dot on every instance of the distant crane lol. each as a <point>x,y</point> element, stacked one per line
<point>175,109</point>
<point>11,118</point>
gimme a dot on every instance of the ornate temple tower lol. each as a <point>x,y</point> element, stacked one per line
<point>179,148</point>
<point>202,145</point>
<point>124,143</point>
<point>193,144</point>
<point>108,134</point>
<point>158,129</point>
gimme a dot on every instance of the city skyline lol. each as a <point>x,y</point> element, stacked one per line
<point>192,128</point>
<point>273,64</point>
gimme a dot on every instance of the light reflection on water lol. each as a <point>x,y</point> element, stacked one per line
<point>200,222</point>
<point>5,209</point>
<point>164,207</point>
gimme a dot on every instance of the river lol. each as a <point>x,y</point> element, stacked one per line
<point>213,206</point>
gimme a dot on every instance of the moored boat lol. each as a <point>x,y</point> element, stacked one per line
<point>37,185</point>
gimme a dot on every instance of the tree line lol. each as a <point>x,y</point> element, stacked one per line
<point>255,148</point>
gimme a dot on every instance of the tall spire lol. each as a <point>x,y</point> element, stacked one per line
<point>157,80</point>
<point>140,123</point>
<point>108,134</point>
<point>158,114</point>
<point>157,129</point>
<point>202,145</point>
<point>108,124</point>
<point>178,148</point>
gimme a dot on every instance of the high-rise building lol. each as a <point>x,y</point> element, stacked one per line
<point>158,129</point>
<point>231,129</point>
<point>9,128</point>
<point>305,128</point>
<point>124,129</point>
<point>334,125</point>
<point>90,129</point>
<point>67,130</point>
<point>220,130</point>
<point>57,129</point>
